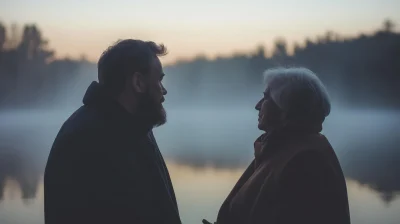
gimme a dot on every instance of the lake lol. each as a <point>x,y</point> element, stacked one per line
<point>206,152</point>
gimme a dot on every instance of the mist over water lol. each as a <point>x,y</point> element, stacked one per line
<point>207,144</point>
<point>221,138</point>
<point>201,139</point>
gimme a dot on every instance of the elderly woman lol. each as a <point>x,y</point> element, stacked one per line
<point>295,176</point>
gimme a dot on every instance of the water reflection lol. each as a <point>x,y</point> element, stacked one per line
<point>14,166</point>
<point>200,192</point>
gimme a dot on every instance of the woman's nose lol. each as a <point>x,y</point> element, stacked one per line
<point>258,105</point>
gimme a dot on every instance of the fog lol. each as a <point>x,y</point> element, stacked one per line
<point>366,141</point>
<point>212,126</point>
<point>206,141</point>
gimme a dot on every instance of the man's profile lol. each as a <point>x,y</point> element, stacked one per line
<point>105,165</point>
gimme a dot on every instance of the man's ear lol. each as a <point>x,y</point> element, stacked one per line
<point>139,83</point>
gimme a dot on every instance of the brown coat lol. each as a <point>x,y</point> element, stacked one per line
<point>295,178</point>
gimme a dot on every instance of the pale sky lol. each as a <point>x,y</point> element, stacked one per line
<point>189,28</point>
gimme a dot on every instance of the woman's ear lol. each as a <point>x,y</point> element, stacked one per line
<point>139,83</point>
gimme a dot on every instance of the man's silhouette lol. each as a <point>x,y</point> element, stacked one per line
<point>105,165</point>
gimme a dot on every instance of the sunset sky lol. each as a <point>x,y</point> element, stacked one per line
<point>189,28</point>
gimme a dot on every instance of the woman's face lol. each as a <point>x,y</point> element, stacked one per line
<point>269,115</point>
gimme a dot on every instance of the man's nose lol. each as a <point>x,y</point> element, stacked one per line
<point>164,91</point>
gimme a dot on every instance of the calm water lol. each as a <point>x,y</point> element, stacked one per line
<point>206,152</point>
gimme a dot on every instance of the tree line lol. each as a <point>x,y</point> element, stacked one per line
<point>358,71</point>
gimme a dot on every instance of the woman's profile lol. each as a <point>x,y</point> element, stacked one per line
<point>295,176</point>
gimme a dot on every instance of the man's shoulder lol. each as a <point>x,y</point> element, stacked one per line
<point>84,124</point>
<point>83,119</point>
<point>89,125</point>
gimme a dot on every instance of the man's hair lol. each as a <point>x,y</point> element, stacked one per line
<point>298,92</point>
<point>126,57</point>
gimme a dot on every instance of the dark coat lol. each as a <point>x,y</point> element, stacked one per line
<point>105,167</point>
<point>295,178</point>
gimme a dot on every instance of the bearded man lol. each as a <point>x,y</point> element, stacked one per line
<point>105,165</point>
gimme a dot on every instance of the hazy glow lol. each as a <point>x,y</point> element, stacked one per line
<point>192,27</point>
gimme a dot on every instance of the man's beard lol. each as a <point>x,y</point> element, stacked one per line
<point>151,111</point>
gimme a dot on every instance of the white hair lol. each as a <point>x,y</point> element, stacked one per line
<point>298,91</point>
